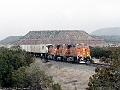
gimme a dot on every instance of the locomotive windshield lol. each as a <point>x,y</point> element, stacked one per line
<point>86,46</point>
<point>78,47</point>
<point>55,47</point>
<point>64,47</point>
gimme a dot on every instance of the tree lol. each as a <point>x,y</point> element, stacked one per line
<point>107,78</point>
<point>99,52</point>
<point>96,52</point>
<point>14,72</point>
<point>10,60</point>
<point>25,57</point>
<point>36,80</point>
<point>21,78</point>
<point>6,70</point>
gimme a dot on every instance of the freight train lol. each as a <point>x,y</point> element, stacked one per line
<point>79,53</point>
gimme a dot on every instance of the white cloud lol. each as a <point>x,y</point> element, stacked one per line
<point>17,17</point>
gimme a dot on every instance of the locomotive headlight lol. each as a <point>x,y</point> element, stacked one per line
<point>83,49</point>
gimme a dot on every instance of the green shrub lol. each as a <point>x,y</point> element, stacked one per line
<point>56,86</point>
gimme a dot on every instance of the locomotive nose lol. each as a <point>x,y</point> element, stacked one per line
<point>84,52</point>
<point>83,49</point>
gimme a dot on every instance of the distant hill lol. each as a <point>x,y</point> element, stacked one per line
<point>107,31</point>
<point>10,39</point>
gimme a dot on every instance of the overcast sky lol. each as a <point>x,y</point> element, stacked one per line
<point>18,17</point>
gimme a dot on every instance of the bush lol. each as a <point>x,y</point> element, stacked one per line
<point>92,61</point>
<point>102,59</point>
<point>56,87</point>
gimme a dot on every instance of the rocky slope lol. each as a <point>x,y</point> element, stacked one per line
<point>59,36</point>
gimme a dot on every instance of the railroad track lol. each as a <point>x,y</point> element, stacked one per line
<point>78,66</point>
<point>91,64</point>
<point>99,65</point>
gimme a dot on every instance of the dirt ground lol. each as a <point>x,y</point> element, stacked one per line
<point>68,78</point>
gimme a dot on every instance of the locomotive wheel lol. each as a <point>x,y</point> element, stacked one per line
<point>62,59</point>
<point>78,61</point>
<point>55,58</point>
<point>88,62</point>
<point>52,57</point>
<point>75,59</point>
<point>49,57</point>
<point>65,59</point>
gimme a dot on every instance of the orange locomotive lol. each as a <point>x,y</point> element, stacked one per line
<point>83,53</point>
<point>54,51</point>
<point>69,52</point>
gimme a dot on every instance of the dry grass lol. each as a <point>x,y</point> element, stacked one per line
<point>68,78</point>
